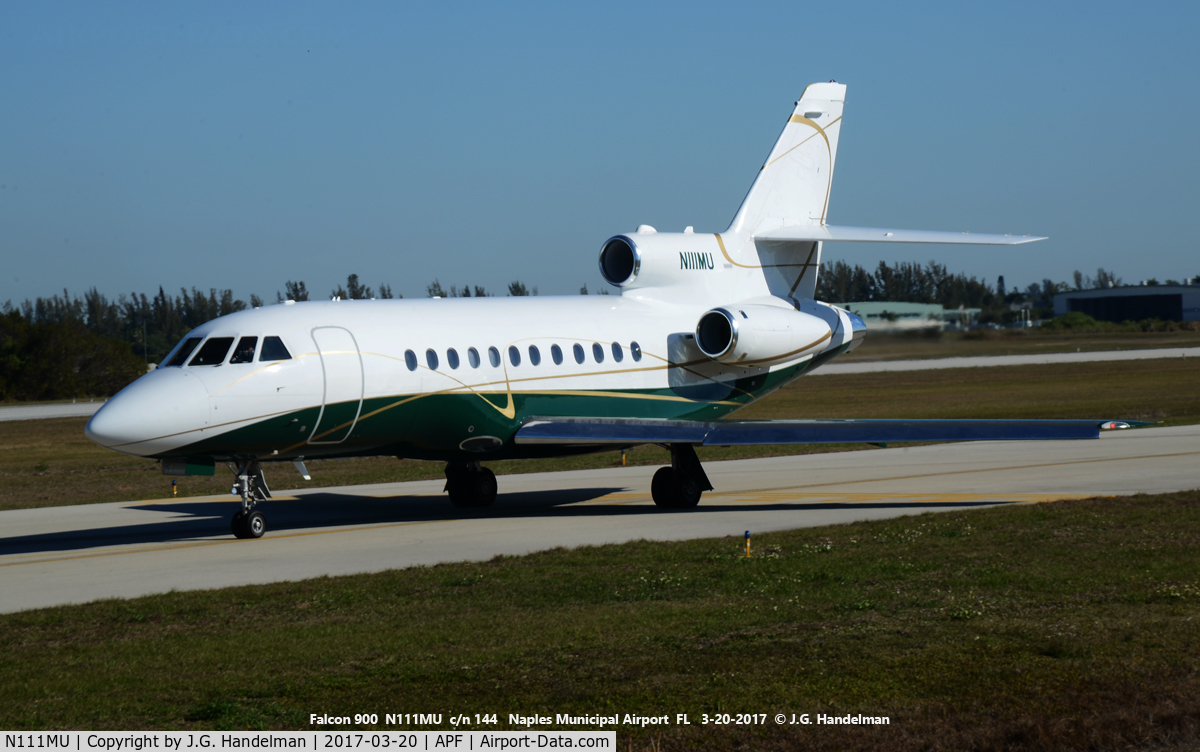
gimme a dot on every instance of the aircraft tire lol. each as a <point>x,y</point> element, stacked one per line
<point>458,485</point>
<point>485,487</point>
<point>689,492</point>
<point>255,524</point>
<point>671,489</point>
<point>238,525</point>
<point>664,488</point>
<point>473,490</point>
<point>459,490</point>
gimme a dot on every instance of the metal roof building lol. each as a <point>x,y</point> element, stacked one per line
<point>1134,303</point>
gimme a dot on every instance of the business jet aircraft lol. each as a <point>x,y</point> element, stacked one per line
<point>704,324</point>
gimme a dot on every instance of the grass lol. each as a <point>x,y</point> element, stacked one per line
<point>1164,390</point>
<point>1069,625</point>
<point>51,462</point>
<point>920,345</point>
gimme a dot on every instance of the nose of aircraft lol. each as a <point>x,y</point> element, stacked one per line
<point>154,414</point>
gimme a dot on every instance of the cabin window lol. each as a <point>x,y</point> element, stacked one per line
<point>410,360</point>
<point>473,357</point>
<point>514,355</point>
<point>556,354</point>
<point>618,355</point>
<point>452,358</point>
<point>535,357</point>
<point>494,357</point>
<point>578,350</point>
<point>213,352</point>
<point>635,350</point>
<point>244,352</point>
<point>273,349</point>
<point>431,359</point>
<point>185,349</point>
<point>598,352</point>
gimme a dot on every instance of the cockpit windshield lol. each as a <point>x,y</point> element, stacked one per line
<point>273,349</point>
<point>244,352</point>
<point>213,352</point>
<point>184,350</point>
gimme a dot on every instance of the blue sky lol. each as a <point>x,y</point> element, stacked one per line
<point>244,144</point>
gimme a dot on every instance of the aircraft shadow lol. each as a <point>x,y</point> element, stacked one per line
<point>205,519</point>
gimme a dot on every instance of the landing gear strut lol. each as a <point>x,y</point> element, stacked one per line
<point>469,485</point>
<point>251,484</point>
<point>680,485</point>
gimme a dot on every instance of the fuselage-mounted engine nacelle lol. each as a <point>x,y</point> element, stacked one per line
<point>755,333</point>
<point>659,259</point>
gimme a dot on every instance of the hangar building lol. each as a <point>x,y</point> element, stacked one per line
<point>1134,303</point>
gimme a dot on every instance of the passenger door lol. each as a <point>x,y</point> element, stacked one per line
<point>341,364</point>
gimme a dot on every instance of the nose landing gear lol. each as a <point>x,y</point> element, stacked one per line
<point>469,485</point>
<point>252,486</point>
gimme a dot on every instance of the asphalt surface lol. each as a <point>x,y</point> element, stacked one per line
<point>59,555</point>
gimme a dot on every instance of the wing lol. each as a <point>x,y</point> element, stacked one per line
<point>833,233</point>
<point>631,431</point>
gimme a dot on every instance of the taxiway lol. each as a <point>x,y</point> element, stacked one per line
<point>59,555</point>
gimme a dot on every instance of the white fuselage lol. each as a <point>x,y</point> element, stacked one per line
<point>359,370</point>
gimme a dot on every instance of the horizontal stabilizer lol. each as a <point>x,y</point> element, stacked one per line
<point>627,432</point>
<point>833,233</point>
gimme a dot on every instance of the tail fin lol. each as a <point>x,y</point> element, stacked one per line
<point>793,186</point>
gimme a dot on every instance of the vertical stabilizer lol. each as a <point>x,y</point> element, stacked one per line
<point>792,188</point>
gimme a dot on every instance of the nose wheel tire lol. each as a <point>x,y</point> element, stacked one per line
<point>672,489</point>
<point>248,524</point>
<point>256,524</point>
<point>238,525</point>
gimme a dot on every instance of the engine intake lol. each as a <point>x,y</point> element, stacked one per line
<point>716,333</point>
<point>619,261</point>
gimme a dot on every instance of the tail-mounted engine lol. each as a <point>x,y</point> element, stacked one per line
<point>756,334</point>
<point>652,259</point>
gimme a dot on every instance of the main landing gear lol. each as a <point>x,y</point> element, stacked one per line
<point>680,485</point>
<point>469,485</point>
<point>252,486</point>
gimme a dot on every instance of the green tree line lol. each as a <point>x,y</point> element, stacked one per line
<point>61,359</point>
<point>902,282</point>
